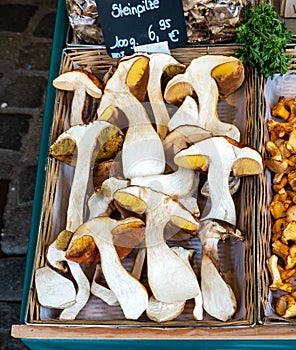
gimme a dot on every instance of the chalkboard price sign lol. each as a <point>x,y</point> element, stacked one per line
<point>130,23</point>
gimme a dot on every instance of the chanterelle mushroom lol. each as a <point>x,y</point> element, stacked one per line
<point>82,83</point>
<point>277,283</point>
<point>286,306</point>
<point>198,79</point>
<point>86,138</point>
<point>142,151</point>
<point>221,156</point>
<point>165,269</point>
<point>130,293</point>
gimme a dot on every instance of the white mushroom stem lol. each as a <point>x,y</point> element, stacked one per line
<point>160,311</point>
<point>102,292</point>
<point>190,200</point>
<point>55,257</point>
<point>142,151</point>
<point>186,114</point>
<point>158,63</point>
<point>165,269</point>
<point>234,184</point>
<point>177,184</point>
<point>139,263</point>
<point>77,105</point>
<point>85,137</point>
<point>218,298</point>
<point>198,75</point>
<point>130,293</point>
<point>186,255</point>
<point>83,292</point>
<point>107,294</point>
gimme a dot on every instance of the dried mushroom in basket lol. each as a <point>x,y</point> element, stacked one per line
<point>212,21</point>
<point>84,19</point>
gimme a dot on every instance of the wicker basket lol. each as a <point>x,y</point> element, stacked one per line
<point>264,219</point>
<point>99,62</point>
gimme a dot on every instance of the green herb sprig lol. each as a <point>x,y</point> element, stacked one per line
<point>264,37</point>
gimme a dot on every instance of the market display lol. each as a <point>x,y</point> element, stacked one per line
<point>156,133</point>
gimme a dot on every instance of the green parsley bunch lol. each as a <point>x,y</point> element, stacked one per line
<point>264,37</point>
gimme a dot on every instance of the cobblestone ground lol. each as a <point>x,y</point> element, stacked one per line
<point>26,31</point>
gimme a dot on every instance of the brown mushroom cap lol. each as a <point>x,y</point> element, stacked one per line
<point>70,81</point>
<point>229,77</point>
<point>137,78</point>
<point>126,237</point>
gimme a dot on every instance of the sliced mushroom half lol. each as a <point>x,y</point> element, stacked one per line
<point>166,270</point>
<point>99,136</point>
<point>198,80</point>
<point>221,156</point>
<point>219,300</point>
<point>142,152</point>
<point>55,258</point>
<point>130,293</point>
<point>81,83</point>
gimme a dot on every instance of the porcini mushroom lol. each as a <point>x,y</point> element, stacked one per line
<point>198,79</point>
<point>185,135</point>
<point>165,269</point>
<point>84,250</point>
<point>186,114</point>
<point>142,151</point>
<point>102,292</point>
<point>218,298</point>
<point>161,64</point>
<point>55,258</point>
<point>186,255</point>
<point>53,289</point>
<point>177,184</point>
<point>82,83</point>
<point>86,138</point>
<point>100,201</point>
<point>160,311</point>
<point>220,156</point>
<point>130,293</point>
